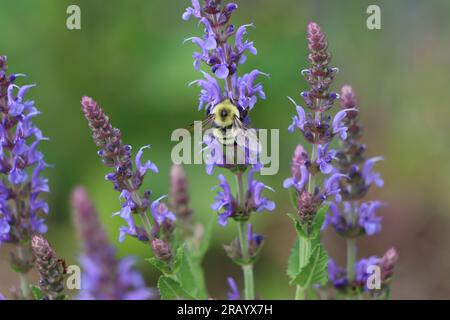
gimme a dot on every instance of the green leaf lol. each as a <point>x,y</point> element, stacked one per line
<point>292,216</point>
<point>293,262</point>
<point>293,198</point>
<point>313,294</point>
<point>198,275</point>
<point>178,259</point>
<point>184,272</point>
<point>169,289</point>
<point>160,265</point>
<point>37,292</point>
<point>195,254</point>
<point>319,219</point>
<point>315,271</point>
<point>298,227</point>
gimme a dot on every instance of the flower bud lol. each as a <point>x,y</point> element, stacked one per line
<point>307,207</point>
<point>161,249</point>
<point>51,269</point>
<point>387,263</point>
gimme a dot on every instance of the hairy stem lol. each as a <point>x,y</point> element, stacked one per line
<point>249,282</point>
<point>312,178</point>
<point>142,214</point>
<point>249,290</point>
<point>304,253</point>
<point>305,244</point>
<point>240,186</point>
<point>146,225</point>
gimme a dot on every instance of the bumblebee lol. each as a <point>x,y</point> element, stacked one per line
<point>227,126</point>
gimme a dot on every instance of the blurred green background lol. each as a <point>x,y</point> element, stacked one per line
<point>129,55</point>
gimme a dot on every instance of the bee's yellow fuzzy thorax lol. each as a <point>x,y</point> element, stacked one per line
<point>224,113</point>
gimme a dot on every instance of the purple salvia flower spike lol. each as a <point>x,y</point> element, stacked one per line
<point>21,164</point>
<point>51,269</point>
<point>354,218</point>
<point>224,85</point>
<point>316,125</point>
<point>104,276</point>
<point>125,179</point>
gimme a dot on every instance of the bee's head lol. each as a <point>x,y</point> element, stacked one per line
<point>224,113</point>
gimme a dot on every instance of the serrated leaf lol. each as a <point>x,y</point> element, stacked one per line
<point>315,271</point>
<point>37,292</point>
<point>160,265</point>
<point>185,275</point>
<point>198,276</point>
<point>169,289</point>
<point>293,261</point>
<point>298,227</point>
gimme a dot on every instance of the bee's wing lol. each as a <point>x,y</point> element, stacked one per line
<point>206,124</point>
<point>246,137</point>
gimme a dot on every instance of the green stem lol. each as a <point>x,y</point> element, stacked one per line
<point>311,178</point>
<point>240,186</point>
<point>243,239</point>
<point>351,259</point>
<point>249,290</point>
<point>142,214</point>
<point>247,268</point>
<point>305,244</point>
<point>304,253</point>
<point>146,224</point>
<point>248,280</point>
<point>24,285</point>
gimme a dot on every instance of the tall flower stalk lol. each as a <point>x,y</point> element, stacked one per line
<point>128,180</point>
<point>307,265</point>
<point>21,183</point>
<point>224,85</point>
<point>158,222</point>
<point>52,270</point>
<point>104,276</point>
<point>354,218</point>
